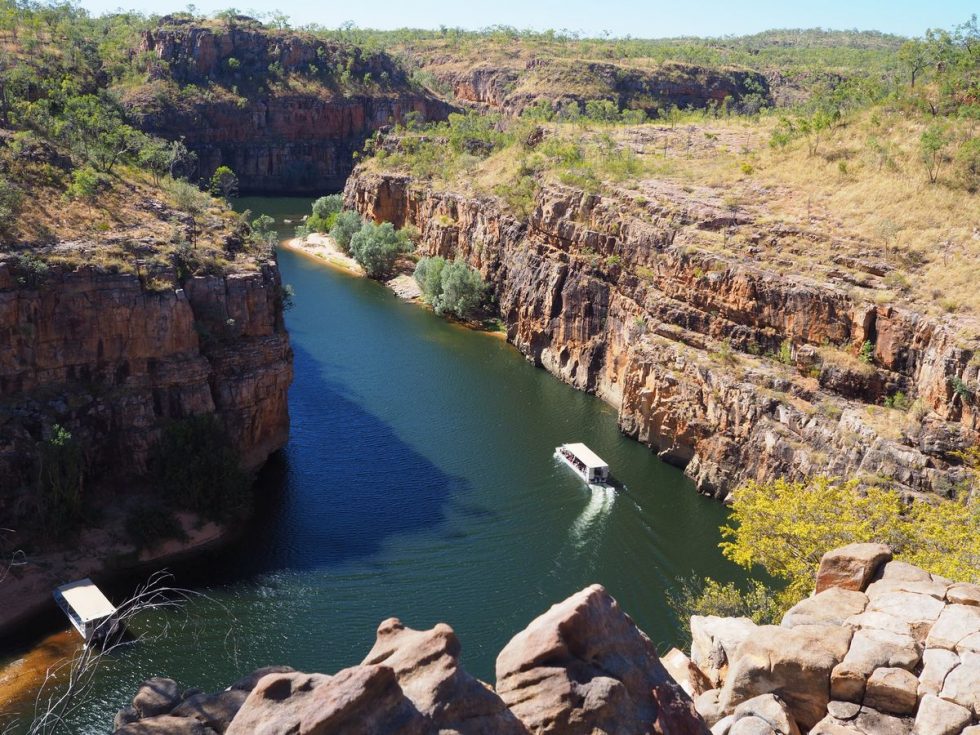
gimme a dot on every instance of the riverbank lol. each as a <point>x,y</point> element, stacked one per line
<point>99,553</point>
<point>323,248</point>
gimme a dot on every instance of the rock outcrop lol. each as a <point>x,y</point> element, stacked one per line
<point>613,295</point>
<point>582,667</point>
<point>898,652</point>
<point>111,361</point>
<point>286,111</point>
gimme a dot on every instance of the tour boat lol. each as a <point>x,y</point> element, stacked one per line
<point>87,608</point>
<point>585,463</point>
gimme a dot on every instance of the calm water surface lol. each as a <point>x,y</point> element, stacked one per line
<point>418,482</point>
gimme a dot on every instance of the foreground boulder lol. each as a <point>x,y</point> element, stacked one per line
<point>793,663</point>
<point>881,648</point>
<point>584,667</point>
<point>426,664</point>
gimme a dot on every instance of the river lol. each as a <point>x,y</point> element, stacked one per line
<point>418,482</point>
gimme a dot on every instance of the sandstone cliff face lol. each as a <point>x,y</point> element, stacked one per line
<point>520,83</point>
<point>290,131</point>
<point>110,360</point>
<point>627,307</point>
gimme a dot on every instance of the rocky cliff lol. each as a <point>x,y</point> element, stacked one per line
<point>286,112</point>
<point>111,360</point>
<point>581,668</point>
<point>515,77</point>
<point>720,365</point>
<point>881,647</point>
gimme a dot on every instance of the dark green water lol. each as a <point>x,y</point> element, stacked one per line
<point>419,482</point>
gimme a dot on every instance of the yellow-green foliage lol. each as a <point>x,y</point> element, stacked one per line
<point>785,527</point>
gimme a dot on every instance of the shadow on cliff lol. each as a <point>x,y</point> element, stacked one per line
<point>343,485</point>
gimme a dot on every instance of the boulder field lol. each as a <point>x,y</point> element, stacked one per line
<point>884,648</point>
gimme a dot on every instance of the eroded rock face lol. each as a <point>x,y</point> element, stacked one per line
<point>111,361</point>
<point>427,666</point>
<point>282,143</point>
<point>898,658</point>
<point>632,309</point>
<point>583,667</point>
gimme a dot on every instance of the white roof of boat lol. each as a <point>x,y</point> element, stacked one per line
<point>87,600</point>
<point>588,457</point>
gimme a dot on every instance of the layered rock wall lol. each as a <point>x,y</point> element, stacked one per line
<point>614,296</point>
<point>111,361</point>
<point>294,130</point>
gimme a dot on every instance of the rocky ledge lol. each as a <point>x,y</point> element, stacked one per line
<point>882,648</point>
<point>582,667</point>
<point>721,365</point>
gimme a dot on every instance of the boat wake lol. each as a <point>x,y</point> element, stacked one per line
<point>593,517</point>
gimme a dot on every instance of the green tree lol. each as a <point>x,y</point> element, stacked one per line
<point>345,226</point>
<point>224,182</point>
<point>786,526</point>
<point>428,275</point>
<point>325,211</point>
<point>377,247</point>
<point>914,56</point>
<point>932,145</point>
<point>94,129</point>
<point>462,290</point>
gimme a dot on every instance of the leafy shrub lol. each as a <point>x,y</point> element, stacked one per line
<point>31,271</point>
<point>187,197</point>
<point>325,211</point>
<point>146,525</point>
<point>85,183</point>
<point>702,596</point>
<point>224,182</point>
<point>345,225</point>
<point>428,275</point>
<point>785,527</point>
<point>867,353</point>
<point>197,467</point>
<point>377,247</point>
<point>968,164</point>
<point>450,287</point>
<point>61,475</point>
<point>899,401</point>
<point>10,201</point>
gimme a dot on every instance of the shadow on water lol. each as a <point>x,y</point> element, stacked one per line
<point>304,517</point>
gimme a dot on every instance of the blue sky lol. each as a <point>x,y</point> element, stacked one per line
<point>639,18</point>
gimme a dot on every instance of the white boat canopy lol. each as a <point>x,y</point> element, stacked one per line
<point>86,600</point>
<point>589,458</point>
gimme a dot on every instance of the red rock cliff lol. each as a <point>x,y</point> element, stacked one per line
<point>676,338</point>
<point>110,360</point>
<point>287,112</point>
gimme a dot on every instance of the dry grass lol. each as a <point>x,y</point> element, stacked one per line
<point>860,212</point>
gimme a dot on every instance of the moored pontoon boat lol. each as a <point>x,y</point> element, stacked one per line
<point>87,608</point>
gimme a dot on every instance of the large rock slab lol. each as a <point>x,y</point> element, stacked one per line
<point>156,696</point>
<point>833,606</point>
<point>427,666</point>
<point>770,709</point>
<point>793,663</point>
<point>166,725</point>
<point>363,700</point>
<point>870,649</point>
<point>685,672</point>
<point>892,690</point>
<point>714,643</point>
<point>962,684</point>
<point>936,665</point>
<point>851,567</point>
<point>214,710</point>
<point>584,666</point>
<point>938,717</point>
<point>963,594</point>
<point>955,626</point>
